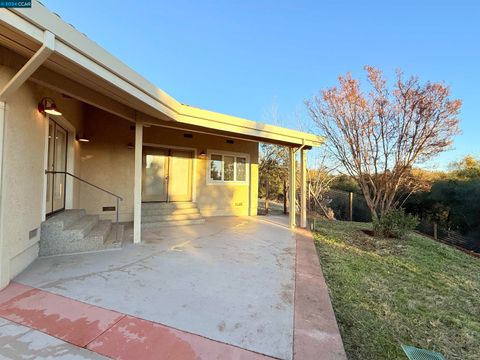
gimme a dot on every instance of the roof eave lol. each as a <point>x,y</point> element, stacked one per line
<point>76,47</point>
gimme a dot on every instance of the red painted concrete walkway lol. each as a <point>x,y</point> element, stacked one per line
<point>316,334</point>
<point>107,332</point>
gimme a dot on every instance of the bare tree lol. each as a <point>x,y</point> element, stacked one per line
<point>378,136</point>
<point>273,170</point>
<point>319,177</point>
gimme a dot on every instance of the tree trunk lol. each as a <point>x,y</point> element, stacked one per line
<point>285,197</point>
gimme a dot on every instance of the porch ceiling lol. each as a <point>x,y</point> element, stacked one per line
<point>90,70</point>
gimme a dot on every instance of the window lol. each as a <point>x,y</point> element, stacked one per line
<point>224,168</point>
<point>229,168</point>
<point>216,167</point>
<point>241,169</point>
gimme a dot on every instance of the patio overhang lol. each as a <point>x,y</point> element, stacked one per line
<point>82,69</point>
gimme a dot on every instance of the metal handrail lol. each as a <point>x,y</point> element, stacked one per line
<point>119,198</point>
<point>85,181</point>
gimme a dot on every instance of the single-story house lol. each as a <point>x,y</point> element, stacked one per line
<point>81,130</point>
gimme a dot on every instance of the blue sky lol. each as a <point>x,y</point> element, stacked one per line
<point>245,57</point>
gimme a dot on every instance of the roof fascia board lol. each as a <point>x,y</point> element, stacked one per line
<point>22,25</point>
<point>248,124</point>
<point>238,129</point>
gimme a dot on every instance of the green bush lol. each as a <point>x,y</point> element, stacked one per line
<point>395,223</point>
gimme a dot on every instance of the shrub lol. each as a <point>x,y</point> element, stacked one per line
<point>395,223</point>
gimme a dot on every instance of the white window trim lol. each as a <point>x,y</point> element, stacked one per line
<point>228,153</point>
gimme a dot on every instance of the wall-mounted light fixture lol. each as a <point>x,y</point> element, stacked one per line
<point>130,146</point>
<point>47,106</point>
<point>203,153</point>
<point>82,138</point>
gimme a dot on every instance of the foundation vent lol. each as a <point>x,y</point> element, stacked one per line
<point>188,136</point>
<point>108,208</point>
<point>230,141</point>
<point>32,234</point>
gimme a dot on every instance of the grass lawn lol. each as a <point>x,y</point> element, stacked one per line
<point>388,292</point>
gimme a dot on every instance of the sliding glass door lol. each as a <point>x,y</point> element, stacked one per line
<point>57,161</point>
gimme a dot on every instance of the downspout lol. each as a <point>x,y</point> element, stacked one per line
<point>14,84</point>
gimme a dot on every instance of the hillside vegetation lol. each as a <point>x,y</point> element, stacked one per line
<point>388,292</point>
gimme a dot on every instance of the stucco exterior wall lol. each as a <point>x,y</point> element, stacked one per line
<point>108,162</point>
<point>23,192</point>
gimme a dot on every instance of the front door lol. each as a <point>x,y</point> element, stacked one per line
<point>57,161</point>
<point>167,174</point>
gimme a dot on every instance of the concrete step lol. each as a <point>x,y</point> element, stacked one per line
<point>163,211</point>
<point>161,218</point>
<point>169,205</point>
<point>63,220</point>
<point>112,240</point>
<point>170,214</point>
<point>98,235</point>
<point>159,224</point>
<point>82,227</point>
<point>74,232</point>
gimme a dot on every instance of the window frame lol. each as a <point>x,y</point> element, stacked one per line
<point>236,155</point>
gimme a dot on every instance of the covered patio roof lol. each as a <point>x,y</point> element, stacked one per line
<point>80,68</point>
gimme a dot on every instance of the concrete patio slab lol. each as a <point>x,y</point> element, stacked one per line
<point>230,280</point>
<point>20,342</point>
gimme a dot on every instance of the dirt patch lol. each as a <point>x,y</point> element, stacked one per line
<point>380,245</point>
<point>372,234</point>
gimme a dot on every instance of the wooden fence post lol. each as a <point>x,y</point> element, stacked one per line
<point>435,232</point>
<point>350,205</point>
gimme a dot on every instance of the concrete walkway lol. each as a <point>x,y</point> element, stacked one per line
<point>22,342</point>
<point>222,290</point>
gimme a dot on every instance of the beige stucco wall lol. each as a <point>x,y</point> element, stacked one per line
<point>108,162</point>
<point>23,170</point>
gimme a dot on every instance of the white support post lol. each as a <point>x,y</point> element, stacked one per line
<point>292,173</point>
<point>303,201</point>
<point>137,191</point>
<point>4,254</point>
